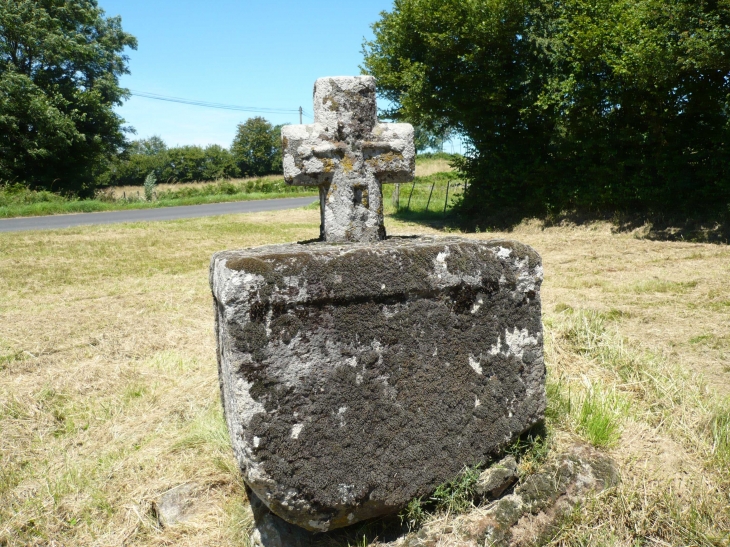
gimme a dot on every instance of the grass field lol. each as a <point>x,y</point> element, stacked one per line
<point>109,393</point>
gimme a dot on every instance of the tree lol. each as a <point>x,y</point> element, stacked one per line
<point>426,139</point>
<point>581,104</point>
<point>219,163</point>
<point>256,148</point>
<point>148,147</point>
<point>60,62</point>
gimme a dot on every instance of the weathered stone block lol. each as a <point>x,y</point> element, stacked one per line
<point>356,377</point>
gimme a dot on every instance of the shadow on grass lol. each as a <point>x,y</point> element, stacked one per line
<point>651,226</point>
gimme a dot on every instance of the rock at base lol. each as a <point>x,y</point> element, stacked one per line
<point>357,377</point>
<point>272,531</point>
<point>175,505</point>
<point>530,514</point>
<point>499,477</point>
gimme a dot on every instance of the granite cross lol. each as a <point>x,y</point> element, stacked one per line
<point>349,155</point>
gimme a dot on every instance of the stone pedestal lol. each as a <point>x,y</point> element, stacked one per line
<point>358,376</point>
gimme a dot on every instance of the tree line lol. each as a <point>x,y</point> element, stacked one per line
<point>255,151</point>
<point>592,105</point>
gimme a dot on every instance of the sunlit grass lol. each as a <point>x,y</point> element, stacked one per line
<point>109,391</point>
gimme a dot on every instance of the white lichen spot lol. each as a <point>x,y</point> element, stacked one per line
<point>350,517</point>
<point>256,442</point>
<point>358,379</point>
<point>382,287</point>
<point>319,525</point>
<point>477,402</point>
<point>439,264</point>
<point>518,341</point>
<point>347,493</point>
<point>435,352</point>
<point>312,165</point>
<point>246,406</point>
<point>341,415</point>
<point>496,348</point>
<point>290,167</point>
<point>504,252</point>
<point>475,364</point>
<point>296,430</point>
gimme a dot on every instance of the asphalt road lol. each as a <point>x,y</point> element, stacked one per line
<point>54,222</point>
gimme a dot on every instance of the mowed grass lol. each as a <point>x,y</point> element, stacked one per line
<point>109,392</point>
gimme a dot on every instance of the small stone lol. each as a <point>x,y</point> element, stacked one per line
<point>499,477</point>
<point>176,505</point>
<point>543,499</point>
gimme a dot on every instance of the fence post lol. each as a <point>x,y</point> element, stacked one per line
<point>429,195</point>
<point>447,195</point>
<point>408,207</point>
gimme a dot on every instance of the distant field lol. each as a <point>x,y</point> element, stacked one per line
<point>109,392</point>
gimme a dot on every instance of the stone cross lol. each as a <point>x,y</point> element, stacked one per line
<point>349,155</point>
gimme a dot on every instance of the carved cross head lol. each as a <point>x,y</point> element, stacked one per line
<point>349,155</point>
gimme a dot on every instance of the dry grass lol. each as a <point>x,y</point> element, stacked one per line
<point>430,166</point>
<point>109,394</point>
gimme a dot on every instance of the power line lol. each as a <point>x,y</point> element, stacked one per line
<point>220,106</point>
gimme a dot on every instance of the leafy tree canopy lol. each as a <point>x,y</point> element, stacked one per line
<point>426,139</point>
<point>257,147</point>
<point>60,62</point>
<point>179,164</point>
<point>580,104</point>
<point>147,147</point>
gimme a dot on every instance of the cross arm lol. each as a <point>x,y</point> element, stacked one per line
<point>309,156</point>
<point>391,153</point>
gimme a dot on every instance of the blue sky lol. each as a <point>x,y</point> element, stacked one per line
<point>251,53</point>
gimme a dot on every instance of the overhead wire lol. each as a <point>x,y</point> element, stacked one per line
<point>220,106</point>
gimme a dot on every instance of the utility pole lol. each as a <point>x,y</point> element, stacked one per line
<point>300,116</point>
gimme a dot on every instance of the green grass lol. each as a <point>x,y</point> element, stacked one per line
<point>595,413</point>
<point>425,198</point>
<point>599,416</point>
<point>453,497</point>
<point>25,203</point>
